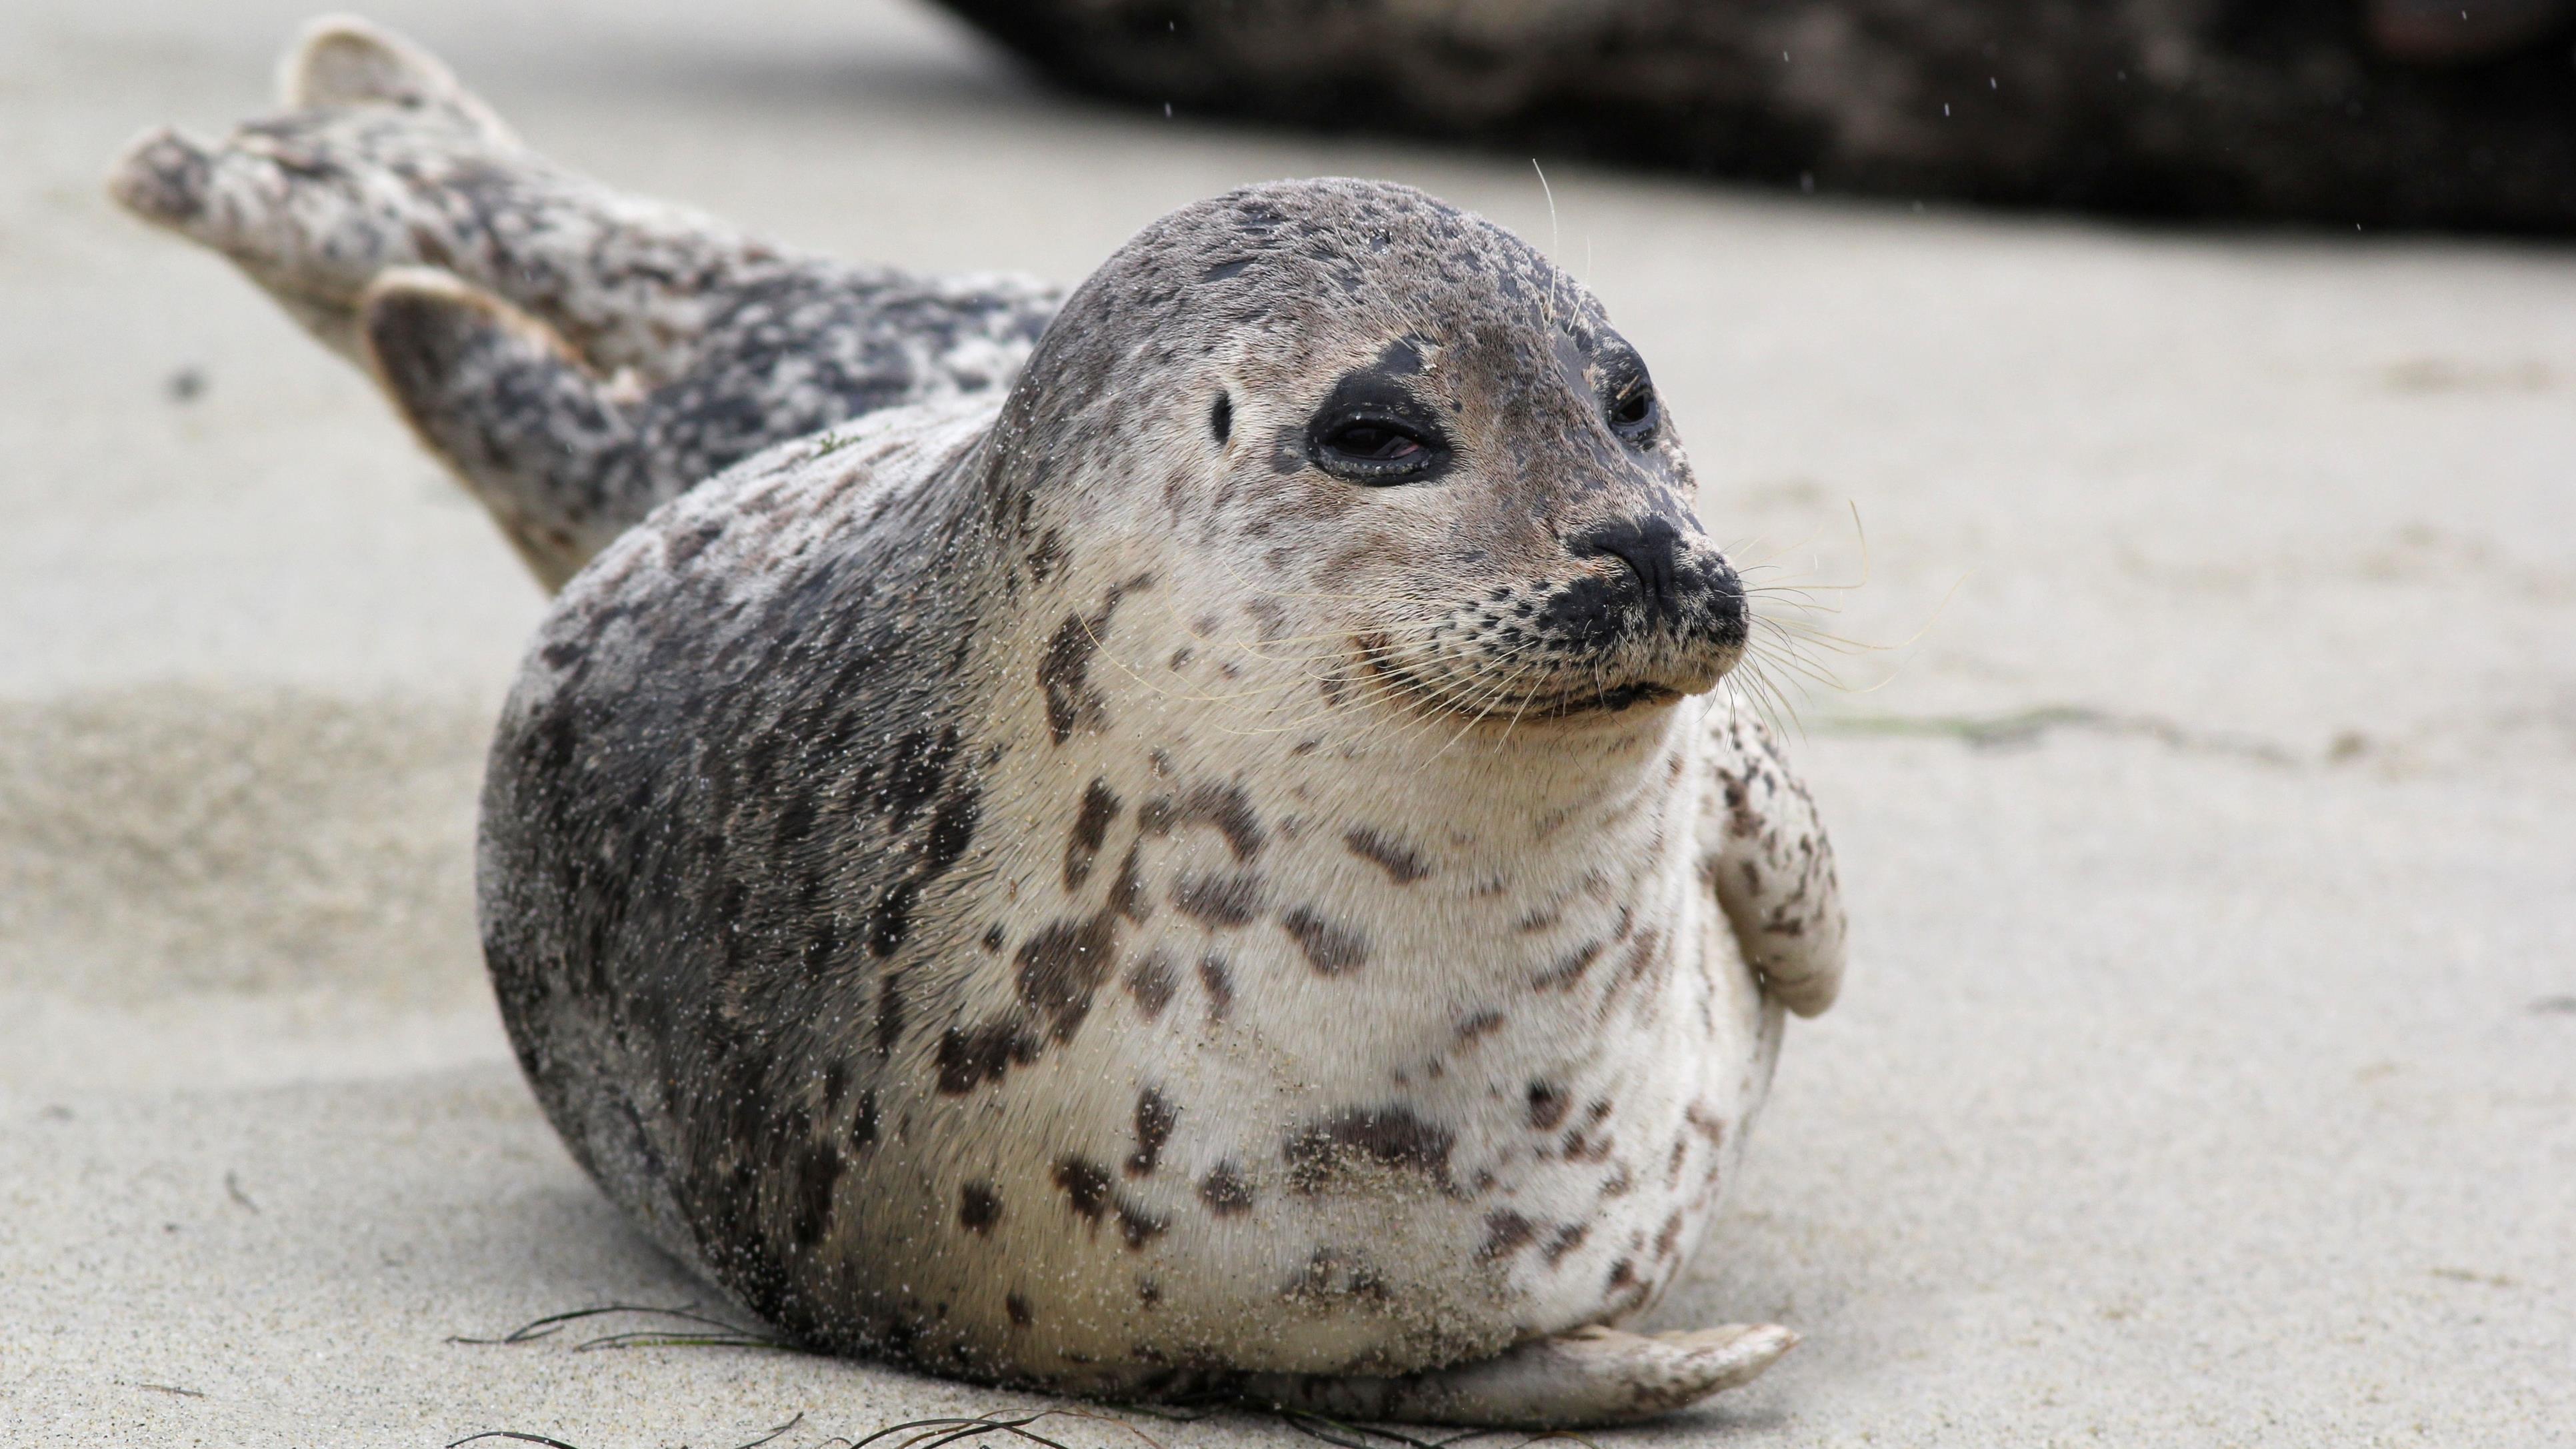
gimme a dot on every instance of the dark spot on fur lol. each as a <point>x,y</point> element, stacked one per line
<point>1223,806</point>
<point>1331,1275</point>
<point>1401,358</point>
<point>1232,899</point>
<point>1127,893</point>
<point>1478,1026</point>
<point>1152,983</point>
<point>1579,1144</point>
<point>1389,1137</point>
<point>1668,1238</point>
<point>914,773</point>
<point>1400,864</point>
<point>890,1010</point>
<point>1568,968</point>
<point>1547,1106</point>
<point>1706,1123</point>
<point>1332,950</point>
<point>952,830</point>
<point>1138,1226</point>
<point>1088,1191</point>
<point>1062,966</point>
<point>1567,1239</point>
<point>1065,673</point>
<point>1018,1308</point>
<point>1506,1233</point>
<point>1085,1184</point>
<point>863,1126</point>
<point>818,1172</point>
<point>1225,1191</point>
<point>1090,828</point>
<point>1221,417</point>
<point>1155,1117</point>
<point>978,1207</point>
<point>970,1057</point>
<point>1218,978</point>
<point>890,919</point>
<point>1047,556</point>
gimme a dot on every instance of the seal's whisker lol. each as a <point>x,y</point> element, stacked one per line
<point>1790,652</point>
<point>1486,711</point>
<point>1783,707</point>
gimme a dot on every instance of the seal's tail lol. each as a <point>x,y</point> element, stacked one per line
<point>577,355</point>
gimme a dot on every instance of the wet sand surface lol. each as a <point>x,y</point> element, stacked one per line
<point>2208,1069</point>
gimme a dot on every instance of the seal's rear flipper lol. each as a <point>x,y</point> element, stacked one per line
<point>341,60</point>
<point>393,215</point>
<point>382,159</point>
<point>1591,1377</point>
<point>545,444</point>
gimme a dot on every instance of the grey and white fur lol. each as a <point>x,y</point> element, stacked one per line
<point>1182,841</point>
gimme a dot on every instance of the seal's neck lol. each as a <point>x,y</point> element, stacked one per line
<point>1499,793</point>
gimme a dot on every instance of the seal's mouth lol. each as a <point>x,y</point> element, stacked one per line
<point>1536,700</point>
<point>1608,701</point>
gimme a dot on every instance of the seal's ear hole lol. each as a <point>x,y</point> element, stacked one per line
<point>1221,418</point>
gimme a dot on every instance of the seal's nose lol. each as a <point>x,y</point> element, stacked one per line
<point>1651,548</point>
<point>1680,580</point>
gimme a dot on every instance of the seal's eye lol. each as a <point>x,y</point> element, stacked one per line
<point>1373,431</point>
<point>1634,414</point>
<point>1373,443</point>
<point>1374,450</point>
<point>1628,402</point>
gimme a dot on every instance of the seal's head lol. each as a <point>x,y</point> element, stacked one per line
<point>1397,440</point>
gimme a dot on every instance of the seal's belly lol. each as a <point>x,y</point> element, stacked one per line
<point>1262,1165</point>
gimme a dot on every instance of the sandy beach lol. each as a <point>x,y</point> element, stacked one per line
<point>2207,1072</point>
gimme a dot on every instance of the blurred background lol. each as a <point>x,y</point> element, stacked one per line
<point>2188,389</point>
<point>2389,112</point>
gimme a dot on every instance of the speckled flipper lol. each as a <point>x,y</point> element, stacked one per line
<point>1764,853</point>
<point>1589,1377</point>
<point>543,443</point>
<point>724,344</point>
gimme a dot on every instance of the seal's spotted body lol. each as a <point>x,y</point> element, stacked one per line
<point>1084,889</point>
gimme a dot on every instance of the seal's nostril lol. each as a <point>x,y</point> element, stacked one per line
<point>1651,547</point>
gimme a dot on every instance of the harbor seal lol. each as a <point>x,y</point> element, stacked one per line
<point>1213,862</point>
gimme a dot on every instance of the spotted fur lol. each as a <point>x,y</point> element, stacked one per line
<point>1055,885</point>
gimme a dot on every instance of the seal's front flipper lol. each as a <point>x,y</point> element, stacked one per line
<point>1588,1378</point>
<point>1763,852</point>
<point>546,445</point>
